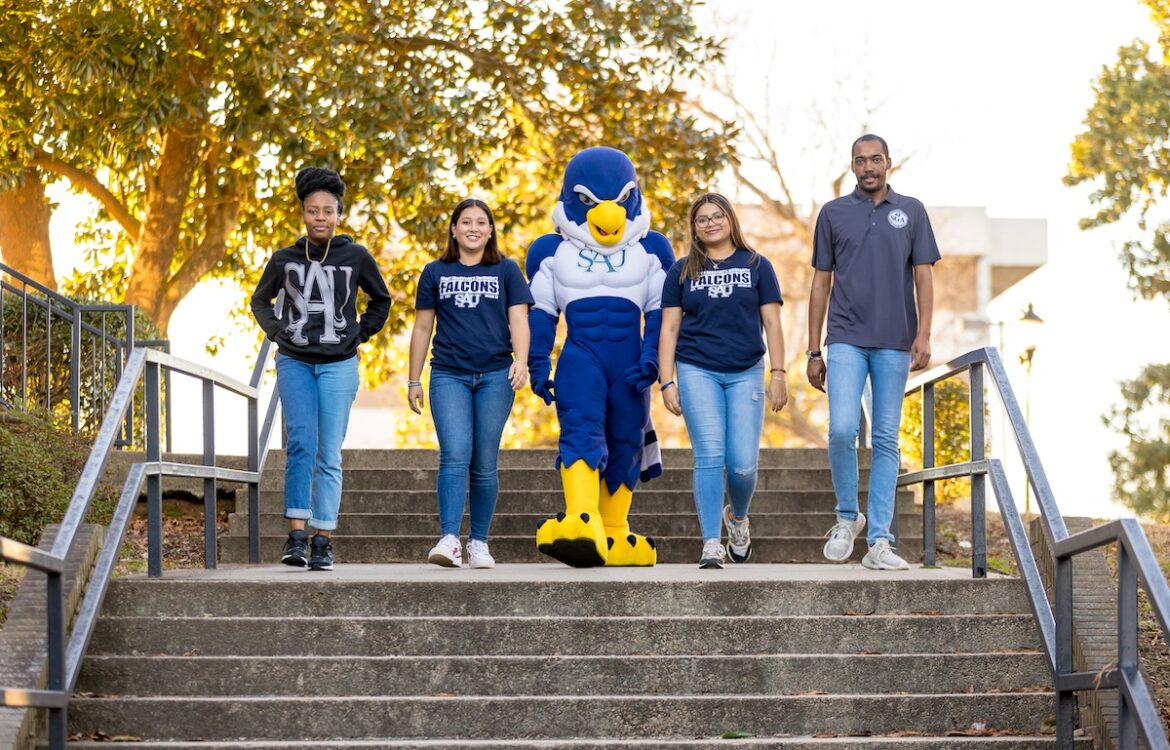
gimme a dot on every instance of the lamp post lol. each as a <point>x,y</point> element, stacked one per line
<point>1029,325</point>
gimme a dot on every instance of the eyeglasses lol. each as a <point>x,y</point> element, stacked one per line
<point>703,221</point>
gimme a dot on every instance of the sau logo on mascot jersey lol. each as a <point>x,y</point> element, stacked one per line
<point>604,271</point>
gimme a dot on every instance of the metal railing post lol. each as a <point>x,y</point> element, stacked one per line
<point>978,485</point>
<point>75,369</point>
<point>129,312</point>
<point>154,529</point>
<point>58,717</point>
<point>1065,698</point>
<point>254,485</point>
<point>928,516</point>
<point>210,514</point>
<point>1127,646</point>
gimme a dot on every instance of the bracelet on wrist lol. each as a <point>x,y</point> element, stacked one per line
<point>413,383</point>
<point>666,385</point>
<point>779,369</point>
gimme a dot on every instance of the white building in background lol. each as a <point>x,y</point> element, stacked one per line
<point>983,257</point>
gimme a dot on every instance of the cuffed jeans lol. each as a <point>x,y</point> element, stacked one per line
<point>470,411</point>
<point>315,399</point>
<point>848,367</point>
<point>724,412</point>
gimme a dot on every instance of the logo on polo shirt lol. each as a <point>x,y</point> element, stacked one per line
<point>720,284</point>
<point>469,290</point>
<point>898,218</point>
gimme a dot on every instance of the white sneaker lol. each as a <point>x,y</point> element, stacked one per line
<point>478,555</point>
<point>712,556</point>
<point>882,557</point>
<point>448,552</point>
<point>841,536</point>
<point>739,543</point>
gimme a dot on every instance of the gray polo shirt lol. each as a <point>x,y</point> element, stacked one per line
<point>872,250</point>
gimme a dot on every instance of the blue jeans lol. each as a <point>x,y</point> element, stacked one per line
<point>470,410</point>
<point>848,367</point>
<point>316,401</point>
<point>724,412</point>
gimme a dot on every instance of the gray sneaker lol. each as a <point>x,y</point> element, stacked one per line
<point>841,536</point>
<point>712,555</point>
<point>882,557</point>
<point>739,543</point>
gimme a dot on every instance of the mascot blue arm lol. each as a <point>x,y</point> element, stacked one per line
<point>541,324</point>
<point>645,373</point>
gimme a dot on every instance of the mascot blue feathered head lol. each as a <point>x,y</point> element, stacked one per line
<point>600,205</point>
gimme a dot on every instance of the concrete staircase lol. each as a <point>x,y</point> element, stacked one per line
<point>540,656</point>
<point>388,509</point>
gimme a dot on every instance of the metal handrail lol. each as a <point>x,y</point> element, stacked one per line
<point>70,313</point>
<point>64,658</point>
<point>1138,714</point>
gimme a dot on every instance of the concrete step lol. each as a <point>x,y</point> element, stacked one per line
<point>938,742</point>
<point>518,524</point>
<point>525,636</point>
<point>554,590</point>
<point>544,458</point>
<point>545,675</point>
<point>528,717</point>
<point>548,479</point>
<point>550,500</point>
<point>522,549</point>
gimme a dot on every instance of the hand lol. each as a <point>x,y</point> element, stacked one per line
<point>414,397</point>
<point>518,375</point>
<point>642,375</point>
<point>920,352</point>
<point>670,400</point>
<point>777,392</point>
<point>816,374</point>
<point>539,375</point>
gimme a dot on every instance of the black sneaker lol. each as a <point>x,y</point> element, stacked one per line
<point>296,549</point>
<point>322,557</point>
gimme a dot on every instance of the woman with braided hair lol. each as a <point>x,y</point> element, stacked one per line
<point>315,324</point>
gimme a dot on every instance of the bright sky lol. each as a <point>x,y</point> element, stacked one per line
<point>986,97</point>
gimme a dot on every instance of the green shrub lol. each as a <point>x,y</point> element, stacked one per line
<point>41,460</point>
<point>952,434</point>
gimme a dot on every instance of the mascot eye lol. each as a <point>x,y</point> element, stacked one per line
<point>625,196</point>
<point>586,199</point>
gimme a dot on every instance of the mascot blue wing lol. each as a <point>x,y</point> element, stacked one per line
<point>545,246</point>
<point>656,244</point>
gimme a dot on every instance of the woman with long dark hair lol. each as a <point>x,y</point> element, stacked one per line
<point>716,304</point>
<point>476,302</point>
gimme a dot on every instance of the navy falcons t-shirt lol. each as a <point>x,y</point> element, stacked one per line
<point>721,326</point>
<point>471,312</point>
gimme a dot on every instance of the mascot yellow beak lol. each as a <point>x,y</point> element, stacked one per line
<point>606,222</point>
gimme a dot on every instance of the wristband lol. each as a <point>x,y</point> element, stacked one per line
<point>413,383</point>
<point>779,369</point>
<point>666,385</point>
<point>814,356</point>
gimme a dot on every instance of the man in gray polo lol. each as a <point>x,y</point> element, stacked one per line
<point>875,249</point>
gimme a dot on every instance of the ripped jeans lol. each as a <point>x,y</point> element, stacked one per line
<point>724,412</point>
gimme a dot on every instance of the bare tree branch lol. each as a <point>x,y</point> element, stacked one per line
<point>90,184</point>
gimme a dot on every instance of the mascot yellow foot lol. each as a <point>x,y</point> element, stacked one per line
<point>576,537</point>
<point>625,547</point>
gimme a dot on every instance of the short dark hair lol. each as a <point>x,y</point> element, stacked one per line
<point>872,137</point>
<point>316,179</point>
<point>491,251</point>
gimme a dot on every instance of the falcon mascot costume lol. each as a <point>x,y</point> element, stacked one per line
<point>603,270</point>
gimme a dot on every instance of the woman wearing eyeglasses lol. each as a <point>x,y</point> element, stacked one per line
<point>719,304</point>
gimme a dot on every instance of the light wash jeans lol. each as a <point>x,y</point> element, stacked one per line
<point>724,412</point>
<point>848,367</point>
<point>470,411</point>
<point>315,400</point>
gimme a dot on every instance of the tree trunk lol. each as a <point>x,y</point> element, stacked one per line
<point>24,230</point>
